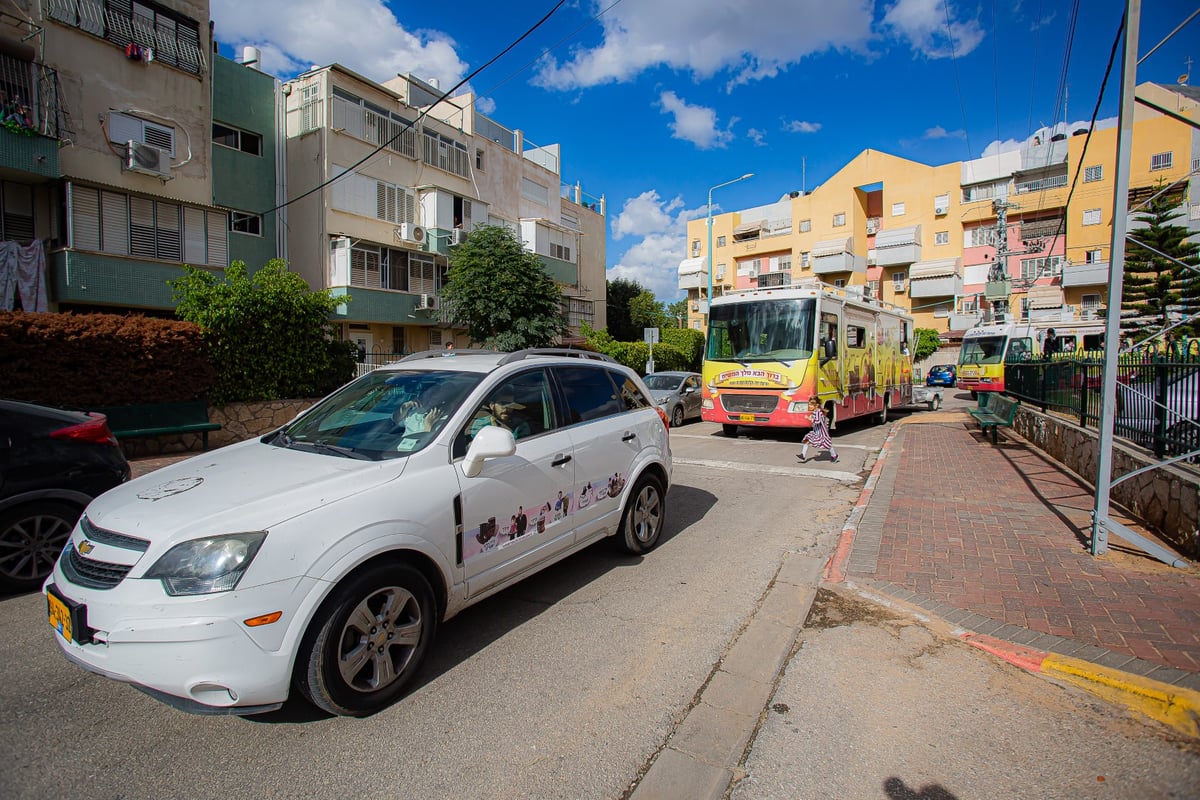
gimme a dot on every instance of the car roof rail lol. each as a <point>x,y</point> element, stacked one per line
<point>445,354</point>
<point>519,355</point>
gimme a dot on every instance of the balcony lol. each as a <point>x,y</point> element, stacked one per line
<point>836,255</point>
<point>1094,274</point>
<point>30,131</point>
<point>894,248</point>
<point>937,278</point>
<point>693,273</point>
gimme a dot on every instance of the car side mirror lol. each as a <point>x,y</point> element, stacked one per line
<point>489,442</point>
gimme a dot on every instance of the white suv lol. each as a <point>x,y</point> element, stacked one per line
<point>323,555</point>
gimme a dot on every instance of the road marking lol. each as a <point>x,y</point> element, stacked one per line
<point>739,466</point>
<point>838,445</point>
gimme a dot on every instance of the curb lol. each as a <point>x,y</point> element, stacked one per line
<point>1175,706</point>
<point>1171,705</point>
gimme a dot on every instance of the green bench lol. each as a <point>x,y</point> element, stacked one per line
<point>994,411</point>
<point>157,419</point>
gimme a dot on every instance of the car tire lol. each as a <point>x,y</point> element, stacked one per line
<point>1188,436</point>
<point>935,402</point>
<point>730,431</point>
<point>31,538</point>
<point>346,665</point>
<point>644,517</point>
<point>677,417</point>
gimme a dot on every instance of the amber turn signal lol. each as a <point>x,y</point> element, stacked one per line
<point>265,619</point>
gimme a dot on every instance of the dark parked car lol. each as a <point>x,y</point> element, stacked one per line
<point>678,393</point>
<point>942,375</point>
<point>52,463</point>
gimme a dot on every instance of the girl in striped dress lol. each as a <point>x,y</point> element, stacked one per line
<point>819,436</point>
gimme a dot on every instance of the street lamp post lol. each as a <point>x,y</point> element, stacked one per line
<point>708,315</point>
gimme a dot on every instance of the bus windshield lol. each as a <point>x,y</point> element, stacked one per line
<point>762,330</point>
<point>983,350</point>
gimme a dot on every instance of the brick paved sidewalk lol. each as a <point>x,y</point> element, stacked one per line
<point>998,533</point>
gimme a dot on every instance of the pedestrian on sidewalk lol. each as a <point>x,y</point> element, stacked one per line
<point>819,436</point>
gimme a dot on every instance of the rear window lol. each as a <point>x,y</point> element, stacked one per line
<point>631,395</point>
<point>590,393</point>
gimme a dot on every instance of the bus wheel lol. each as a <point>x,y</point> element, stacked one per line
<point>729,430</point>
<point>974,395</point>
<point>881,417</point>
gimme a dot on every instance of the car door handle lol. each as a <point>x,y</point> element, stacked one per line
<point>629,436</point>
<point>559,460</point>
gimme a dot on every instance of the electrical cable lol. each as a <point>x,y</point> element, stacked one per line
<point>957,85</point>
<point>410,125</point>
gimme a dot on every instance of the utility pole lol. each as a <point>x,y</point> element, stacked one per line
<point>998,289</point>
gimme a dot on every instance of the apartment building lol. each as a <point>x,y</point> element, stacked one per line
<point>964,241</point>
<point>384,180</point>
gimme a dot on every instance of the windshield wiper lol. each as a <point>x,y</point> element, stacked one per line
<point>337,449</point>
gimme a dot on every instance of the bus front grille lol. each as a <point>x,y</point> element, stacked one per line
<point>750,403</point>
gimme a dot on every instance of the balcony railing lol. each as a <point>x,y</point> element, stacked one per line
<point>29,97</point>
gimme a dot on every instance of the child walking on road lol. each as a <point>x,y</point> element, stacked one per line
<point>819,436</point>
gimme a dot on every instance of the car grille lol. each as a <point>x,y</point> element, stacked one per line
<point>90,573</point>
<point>96,574</point>
<point>750,403</point>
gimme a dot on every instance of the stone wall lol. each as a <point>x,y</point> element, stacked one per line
<point>1165,500</point>
<point>238,421</point>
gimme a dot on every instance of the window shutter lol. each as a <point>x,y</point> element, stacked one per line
<point>218,237</point>
<point>358,268</point>
<point>122,128</point>
<point>167,230</point>
<point>116,222</point>
<point>141,227</point>
<point>193,235</point>
<point>18,212</point>
<point>85,218</point>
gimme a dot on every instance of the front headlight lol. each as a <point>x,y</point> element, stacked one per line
<point>206,566</point>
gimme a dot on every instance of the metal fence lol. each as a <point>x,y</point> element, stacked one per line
<point>1157,404</point>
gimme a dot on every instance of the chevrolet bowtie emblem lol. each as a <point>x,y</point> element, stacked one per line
<point>86,547</point>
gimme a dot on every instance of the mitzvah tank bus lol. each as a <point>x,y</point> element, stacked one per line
<point>769,350</point>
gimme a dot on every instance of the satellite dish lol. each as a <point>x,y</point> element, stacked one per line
<point>1183,79</point>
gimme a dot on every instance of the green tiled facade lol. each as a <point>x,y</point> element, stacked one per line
<point>95,279</point>
<point>33,155</point>
<point>375,305</point>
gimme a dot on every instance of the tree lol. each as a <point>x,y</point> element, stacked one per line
<point>268,334</point>
<point>927,343</point>
<point>1154,286</point>
<point>646,312</point>
<point>677,312</point>
<point>619,296</point>
<point>501,294</point>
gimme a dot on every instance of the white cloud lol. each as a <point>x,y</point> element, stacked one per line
<point>695,124</point>
<point>296,34</point>
<point>801,126</point>
<point>758,137</point>
<point>938,132</point>
<point>932,28</point>
<point>654,261</point>
<point>749,40</point>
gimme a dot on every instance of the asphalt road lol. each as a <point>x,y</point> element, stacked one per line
<point>569,684</point>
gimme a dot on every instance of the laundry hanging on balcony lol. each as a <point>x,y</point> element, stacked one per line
<point>23,272</point>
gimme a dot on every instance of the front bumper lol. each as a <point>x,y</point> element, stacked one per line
<point>193,653</point>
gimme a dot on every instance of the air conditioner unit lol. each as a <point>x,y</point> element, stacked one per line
<point>458,236</point>
<point>940,210</point>
<point>427,302</point>
<point>411,233</point>
<point>753,273</point>
<point>146,159</point>
<point>872,226</point>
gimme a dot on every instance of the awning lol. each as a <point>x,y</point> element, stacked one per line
<point>833,247</point>
<point>898,237</point>
<point>749,227</point>
<point>935,268</point>
<point>1045,296</point>
<point>690,266</point>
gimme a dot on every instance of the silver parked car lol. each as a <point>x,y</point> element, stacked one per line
<point>678,393</point>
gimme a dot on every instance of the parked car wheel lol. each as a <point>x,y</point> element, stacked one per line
<point>644,516</point>
<point>677,417</point>
<point>1188,434</point>
<point>31,537</point>
<point>368,641</point>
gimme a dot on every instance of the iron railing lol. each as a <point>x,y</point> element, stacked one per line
<point>29,97</point>
<point>1157,405</point>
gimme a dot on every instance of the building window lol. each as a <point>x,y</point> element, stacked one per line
<point>941,204</point>
<point>1034,268</point>
<point>560,251</point>
<point>840,283</point>
<point>805,225</point>
<point>1161,161</point>
<point>1042,184</point>
<point>720,241</point>
<point>245,223</point>
<point>839,220</point>
<point>236,139</point>
<point>985,191</point>
<point>1093,257</point>
<point>172,38</point>
<point>1089,302</point>
<point>1093,174</point>
<point>1092,216</point>
<point>980,237</point>
<point>804,260</point>
<point>941,237</point>
<point>897,209</point>
<point>720,270</point>
<point>16,212</point>
<point>114,222</point>
<point>124,127</point>
<point>695,247</point>
<point>368,197</point>
<point>898,279</point>
<point>873,288</point>
<point>479,159</point>
<point>785,263</point>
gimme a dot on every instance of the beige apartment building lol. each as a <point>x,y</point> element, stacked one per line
<point>404,179</point>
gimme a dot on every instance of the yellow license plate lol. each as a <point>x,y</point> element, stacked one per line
<point>745,418</point>
<point>60,616</point>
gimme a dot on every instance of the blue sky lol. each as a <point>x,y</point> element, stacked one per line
<point>656,101</point>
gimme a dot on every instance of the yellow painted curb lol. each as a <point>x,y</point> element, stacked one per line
<point>1172,705</point>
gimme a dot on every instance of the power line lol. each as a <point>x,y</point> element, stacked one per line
<point>958,86</point>
<point>410,125</point>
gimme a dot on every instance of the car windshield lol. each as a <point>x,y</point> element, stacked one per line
<point>384,414</point>
<point>658,383</point>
